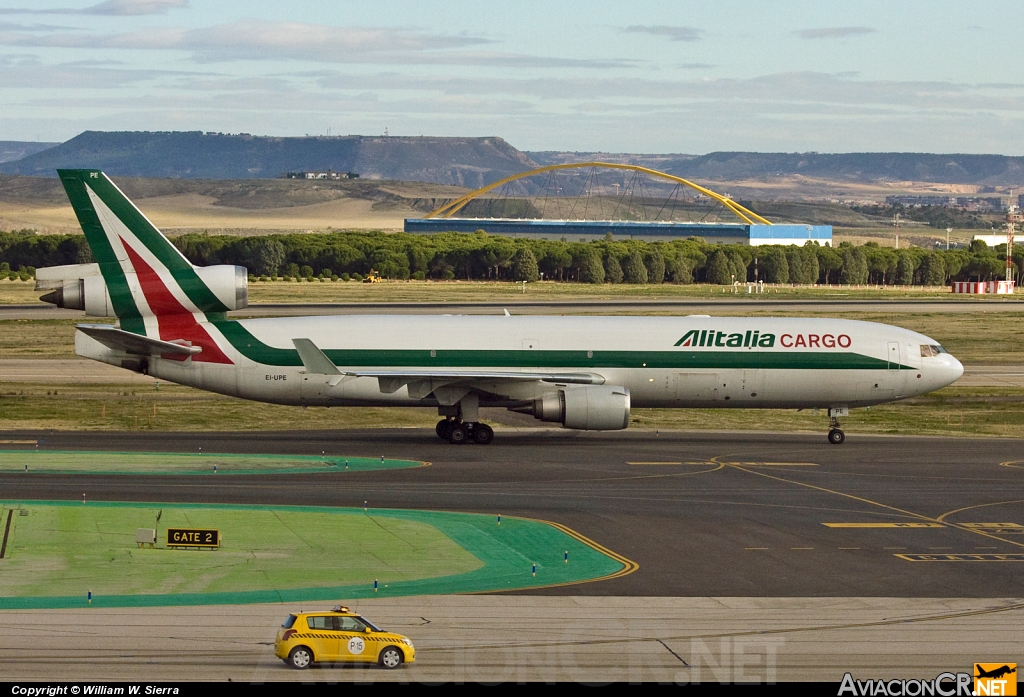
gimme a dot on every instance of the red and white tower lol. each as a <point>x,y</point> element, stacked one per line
<point>1013,216</point>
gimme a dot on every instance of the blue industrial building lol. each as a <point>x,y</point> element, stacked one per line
<point>585,230</point>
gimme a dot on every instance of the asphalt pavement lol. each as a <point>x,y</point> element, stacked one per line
<point>703,513</point>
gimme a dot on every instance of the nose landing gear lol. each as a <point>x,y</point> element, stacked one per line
<point>835,435</point>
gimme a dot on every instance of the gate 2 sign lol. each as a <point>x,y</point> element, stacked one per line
<point>190,537</point>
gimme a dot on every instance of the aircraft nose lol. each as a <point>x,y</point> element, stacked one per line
<point>954,369</point>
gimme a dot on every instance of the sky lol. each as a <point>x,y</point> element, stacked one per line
<point>644,76</point>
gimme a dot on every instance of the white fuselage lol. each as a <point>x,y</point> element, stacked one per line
<point>807,363</point>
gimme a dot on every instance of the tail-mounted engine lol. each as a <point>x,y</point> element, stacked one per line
<point>81,287</point>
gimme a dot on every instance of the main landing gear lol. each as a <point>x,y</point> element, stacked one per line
<point>835,435</point>
<point>459,432</point>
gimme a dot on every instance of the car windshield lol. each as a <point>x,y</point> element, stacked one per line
<point>290,622</point>
<point>370,624</point>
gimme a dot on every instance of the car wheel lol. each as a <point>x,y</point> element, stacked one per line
<point>300,658</point>
<point>390,658</point>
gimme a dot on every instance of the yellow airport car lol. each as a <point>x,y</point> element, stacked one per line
<point>339,636</point>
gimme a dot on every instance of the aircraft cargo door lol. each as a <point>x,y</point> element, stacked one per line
<point>698,388</point>
<point>897,377</point>
<point>314,388</point>
<point>894,355</point>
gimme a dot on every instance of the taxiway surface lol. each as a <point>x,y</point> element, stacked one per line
<point>704,514</point>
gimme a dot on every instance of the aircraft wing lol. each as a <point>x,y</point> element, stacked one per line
<point>471,375</point>
<point>448,386</point>
<point>120,340</point>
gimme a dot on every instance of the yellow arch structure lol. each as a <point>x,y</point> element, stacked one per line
<point>747,216</point>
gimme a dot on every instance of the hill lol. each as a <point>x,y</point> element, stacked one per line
<point>469,162</point>
<point>11,150</point>
<point>236,205</point>
<point>863,167</point>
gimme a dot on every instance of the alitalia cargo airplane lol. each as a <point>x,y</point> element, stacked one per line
<point>582,372</point>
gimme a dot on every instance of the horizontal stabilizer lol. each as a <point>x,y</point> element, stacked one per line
<point>120,340</point>
<point>315,360</point>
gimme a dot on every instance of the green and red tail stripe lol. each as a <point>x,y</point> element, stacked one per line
<point>154,290</point>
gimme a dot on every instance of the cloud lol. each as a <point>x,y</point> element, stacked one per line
<point>796,94</point>
<point>75,77</point>
<point>19,59</point>
<point>254,39</point>
<point>673,33</point>
<point>834,32</point>
<point>7,26</point>
<point>782,111</point>
<point>115,8</point>
<point>93,62</point>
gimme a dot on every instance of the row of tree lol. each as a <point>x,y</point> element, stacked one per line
<point>481,256</point>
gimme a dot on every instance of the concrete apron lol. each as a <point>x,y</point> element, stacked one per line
<point>515,638</point>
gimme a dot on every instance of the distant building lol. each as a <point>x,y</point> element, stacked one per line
<point>981,204</point>
<point>328,174</point>
<point>920,200</point>
<point>992,240</point>
<point>986,204</point>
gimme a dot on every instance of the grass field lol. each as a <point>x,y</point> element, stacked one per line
<point>59,551</point>
<point>952,411</point>
<point>26,406</point>
<point>21,293</point>
<point>82,462</point>
<point>955,411</point>
<point>493,291</point>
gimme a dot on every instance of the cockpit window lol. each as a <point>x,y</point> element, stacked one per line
<point>931,350</point>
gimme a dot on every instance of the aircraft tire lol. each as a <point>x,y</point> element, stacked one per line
<point>442,429</point>
<point>836,437</point>
<point>458,434</point>
<point>483,434</point>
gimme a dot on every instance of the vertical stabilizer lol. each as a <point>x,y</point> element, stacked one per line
<point>151,287</point>
<point>145,275</point>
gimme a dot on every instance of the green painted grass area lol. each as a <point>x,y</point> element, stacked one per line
<point>96,462</point>
<point>62,550</point>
